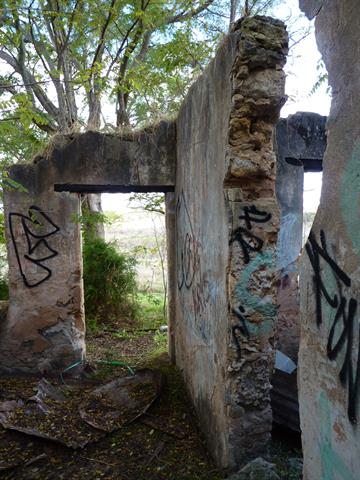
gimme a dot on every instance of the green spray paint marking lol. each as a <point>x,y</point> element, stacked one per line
<point>330,459</point>
<point>250,301</point>
<point>350,190</point>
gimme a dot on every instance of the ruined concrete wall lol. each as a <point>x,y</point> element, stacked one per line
<point>330,273</point>
<point>144,158</point>
<point>201,327</point>
<point>170,222</point>
<point>44,329</point>
<point>226,237</point>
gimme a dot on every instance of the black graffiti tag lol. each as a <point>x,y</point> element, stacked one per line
<point>315,252</point>
<point>344,334</point>
<point>239,329</point>
<point>188,256</point>
<point>243,235</point>
<point>192,280</point>
<point>37,227</point>
<point>252,214</point>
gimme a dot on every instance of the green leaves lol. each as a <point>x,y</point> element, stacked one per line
<point>68,62</point>
<point>78,52</point>
<point>322,78</point>
<point>151,202</point>
<point>109,282</point>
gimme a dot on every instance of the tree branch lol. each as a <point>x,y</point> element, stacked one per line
<point>123,96</point>
<point>233,9</point>
<point>71,22</point>
<point>40,48</point>
<point>100,47</point>
<point>120,49</point>
<point>183,16</point>
<point>29,79</point>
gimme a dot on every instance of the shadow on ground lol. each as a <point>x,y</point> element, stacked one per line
<point>162,444</point>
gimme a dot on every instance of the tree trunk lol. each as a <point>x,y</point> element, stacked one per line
<point>122,117</point>
<point>233,8</point>
<point>94,102</point>
<point>91,204</point>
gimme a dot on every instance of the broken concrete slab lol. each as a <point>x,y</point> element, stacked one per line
<point>258,469</point>
<point>47,416</point>
<point>121,401</point>
<point>52,414</point>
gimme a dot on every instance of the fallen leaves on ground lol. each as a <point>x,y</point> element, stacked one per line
<point>161,440</point>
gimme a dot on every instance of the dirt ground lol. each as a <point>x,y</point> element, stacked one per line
<point>163,444</point>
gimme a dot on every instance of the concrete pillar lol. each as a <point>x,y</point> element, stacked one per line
<point>300,143</point>
<point>171,272</point>
<point>45,325</point>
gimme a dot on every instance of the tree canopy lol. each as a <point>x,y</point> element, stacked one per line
<point>71,64</point>
<point>75,65</point>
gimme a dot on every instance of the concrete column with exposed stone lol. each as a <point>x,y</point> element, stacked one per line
<point>258,83</point>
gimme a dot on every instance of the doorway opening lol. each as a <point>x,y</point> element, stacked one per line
<point>285,403</point>
<point>311,200</point>
<point>125,280</point>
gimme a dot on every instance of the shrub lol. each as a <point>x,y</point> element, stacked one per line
<point>4,288</point>
<point>109,283</point>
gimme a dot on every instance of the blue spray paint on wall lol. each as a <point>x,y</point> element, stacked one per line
<point>350,198</point>
<point>263,305</point>
<point>331,461</point>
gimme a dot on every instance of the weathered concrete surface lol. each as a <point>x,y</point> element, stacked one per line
<point>170,223</point>
<point>44,329</point>
<point>258,94</point>
<point>144,158</point>
<point>224,133</point>
<point>301,137</point>
<point>201,327</point>
<point>330,272</point>
<point>45,323</point>
<point>311,7</point>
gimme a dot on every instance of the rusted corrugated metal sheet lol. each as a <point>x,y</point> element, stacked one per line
<point>284,400</point>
